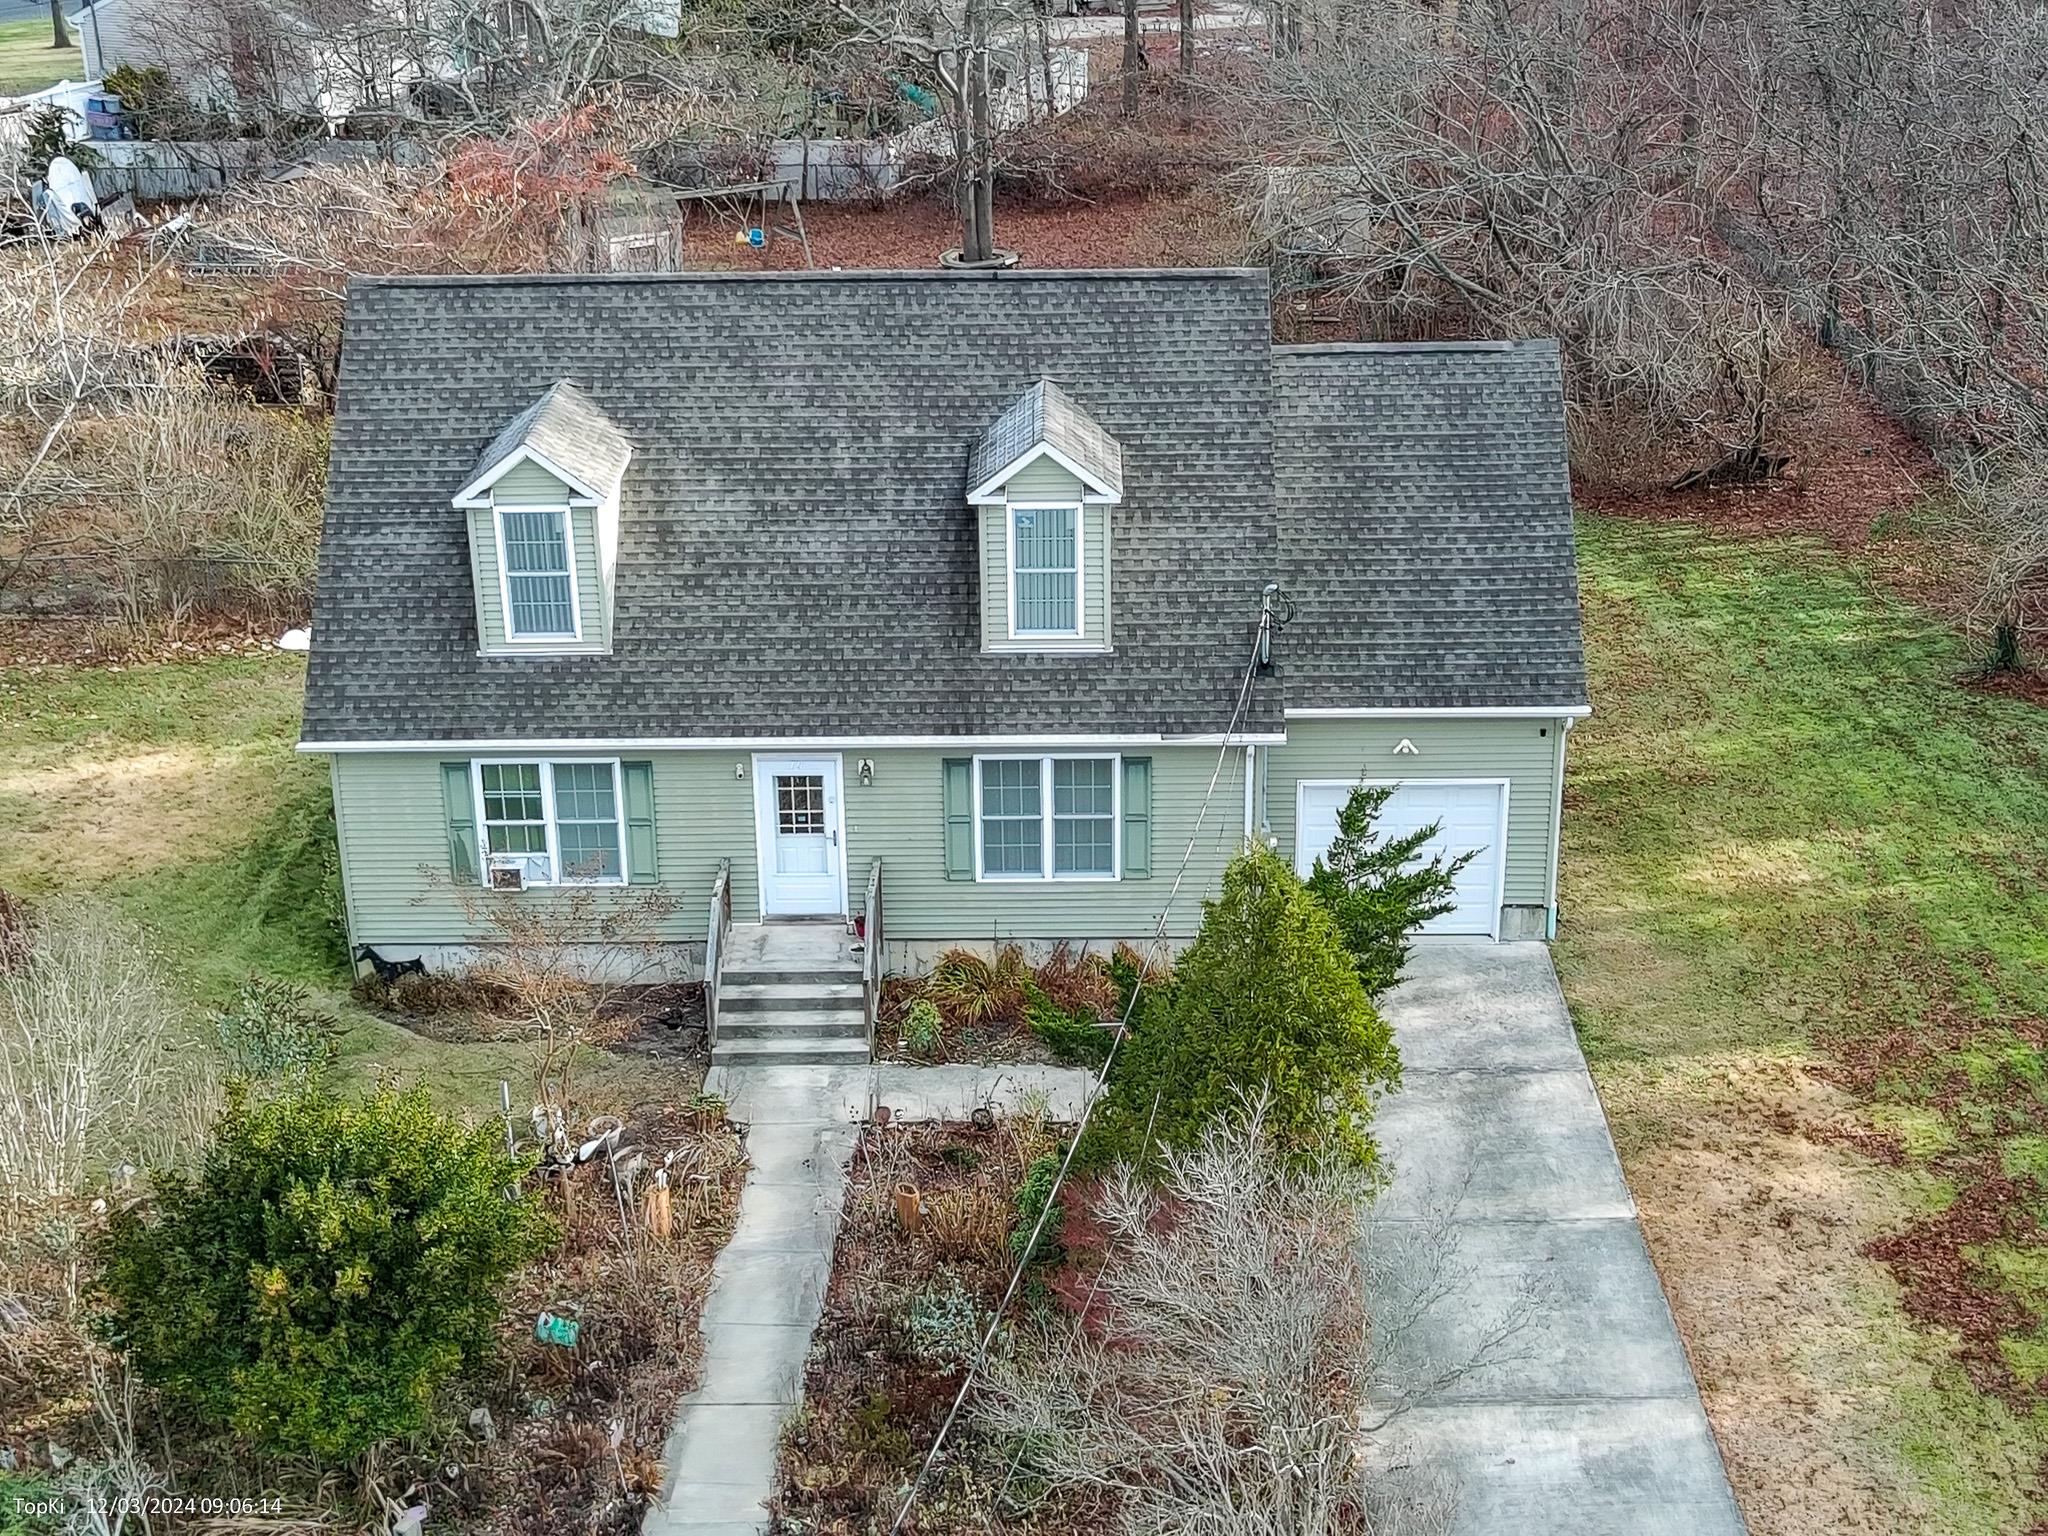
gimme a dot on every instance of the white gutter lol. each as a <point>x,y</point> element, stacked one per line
<point>1500,712</point>
<point>1556,828</point>
<point>779,743</point>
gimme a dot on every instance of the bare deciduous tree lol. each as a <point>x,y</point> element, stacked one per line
<point>1522,168</point>
<point>1886,164</point>
<point>953,41</point>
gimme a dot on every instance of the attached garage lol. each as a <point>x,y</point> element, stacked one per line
<point>1472,817</point>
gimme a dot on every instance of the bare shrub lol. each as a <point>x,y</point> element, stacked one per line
<point>92,1047</point>
<point>219,503</point>
<point>562,963</point>
<point>1218,1384</point>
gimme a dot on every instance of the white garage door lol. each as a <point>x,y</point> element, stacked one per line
<point>1472,820</point>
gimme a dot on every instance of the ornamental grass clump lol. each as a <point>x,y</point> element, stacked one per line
<point>334,1263</point>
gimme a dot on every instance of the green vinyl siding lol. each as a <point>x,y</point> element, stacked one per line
<point>529,482</point>
<point>394,828</point>
<point>490,596</point>
<point>1045,481</point>
<point>900,818</point>
<point>1524,752</point>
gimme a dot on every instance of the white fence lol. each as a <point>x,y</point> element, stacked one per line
<point>15,111</point>
<point>837,170</point>
<point>819,170</point>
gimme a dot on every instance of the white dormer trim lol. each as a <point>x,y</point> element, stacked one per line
<point>478,492</point>
<point>990,493</point>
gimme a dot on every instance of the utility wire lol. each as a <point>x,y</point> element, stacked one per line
<point>1095,1094</point>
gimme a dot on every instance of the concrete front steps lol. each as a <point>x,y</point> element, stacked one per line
<point>790,995</point>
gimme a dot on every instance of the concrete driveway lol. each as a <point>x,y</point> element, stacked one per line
<point>1546,1391</point>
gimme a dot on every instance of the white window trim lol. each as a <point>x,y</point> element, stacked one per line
<point>1080,511</point>
<point>547,800</point>
<point>575,633</point>
<point>1046,876</point>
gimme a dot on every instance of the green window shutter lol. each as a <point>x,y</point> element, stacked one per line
<point>641,864</point>
<point>459,806</point>
<point>959,818</point>
<point>1137,818</point>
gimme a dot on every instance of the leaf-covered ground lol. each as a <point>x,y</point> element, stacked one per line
<point>1805,939</point>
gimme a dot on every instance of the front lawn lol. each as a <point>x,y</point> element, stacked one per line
<point>1805,941</point>
<point>28,62</point>
<point>170,791</point>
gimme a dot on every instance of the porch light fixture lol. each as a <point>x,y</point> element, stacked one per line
<point>866,772</point>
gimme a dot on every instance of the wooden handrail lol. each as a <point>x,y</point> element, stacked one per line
<point>717,933</point>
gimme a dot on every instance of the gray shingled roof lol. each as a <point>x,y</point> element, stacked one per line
<point>795,557</point>
<point>1047,414</point>
<point>1425,525</point>
<point>566,428</point>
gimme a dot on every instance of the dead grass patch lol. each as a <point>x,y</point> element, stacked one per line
<point>117,816</point>
<point>1759,1229</point>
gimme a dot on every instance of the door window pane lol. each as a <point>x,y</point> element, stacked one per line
<point>800,803</point>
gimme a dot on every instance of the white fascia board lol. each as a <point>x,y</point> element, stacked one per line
<point>478,492</point>
<point>1450,711</point>
<point>990,492</point>
<point>588,744</point>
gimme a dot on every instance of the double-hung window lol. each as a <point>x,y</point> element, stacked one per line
<point>1045,571</point>
<point>1042,818</point>
<point>540,578</point>
<point>559,823</point>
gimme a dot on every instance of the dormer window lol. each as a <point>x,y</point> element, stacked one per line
<point>542,505</point>
<point>540,573</point>
<point>1043,479</point>
<point>1045,566</point>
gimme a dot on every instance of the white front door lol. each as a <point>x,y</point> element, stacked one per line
<point>796,818</point>
<point>1471,818</point>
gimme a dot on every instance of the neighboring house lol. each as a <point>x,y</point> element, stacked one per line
<point>624,578</point>
<point>250,56</point>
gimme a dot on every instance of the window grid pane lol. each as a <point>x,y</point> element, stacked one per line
<point>515,815</point>
<point>1084,816</point>
<point>537,573</point>
<point>1047,574</point>
<point>1012,826</point>
<point>587,821</point>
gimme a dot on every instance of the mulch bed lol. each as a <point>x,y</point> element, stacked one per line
<point>664,1022</point>
<point>883,1370</point>
<point>548,1462</point>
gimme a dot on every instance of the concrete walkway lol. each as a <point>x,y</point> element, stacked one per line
<point>1585,1418</point>
<point>768,1286</point>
